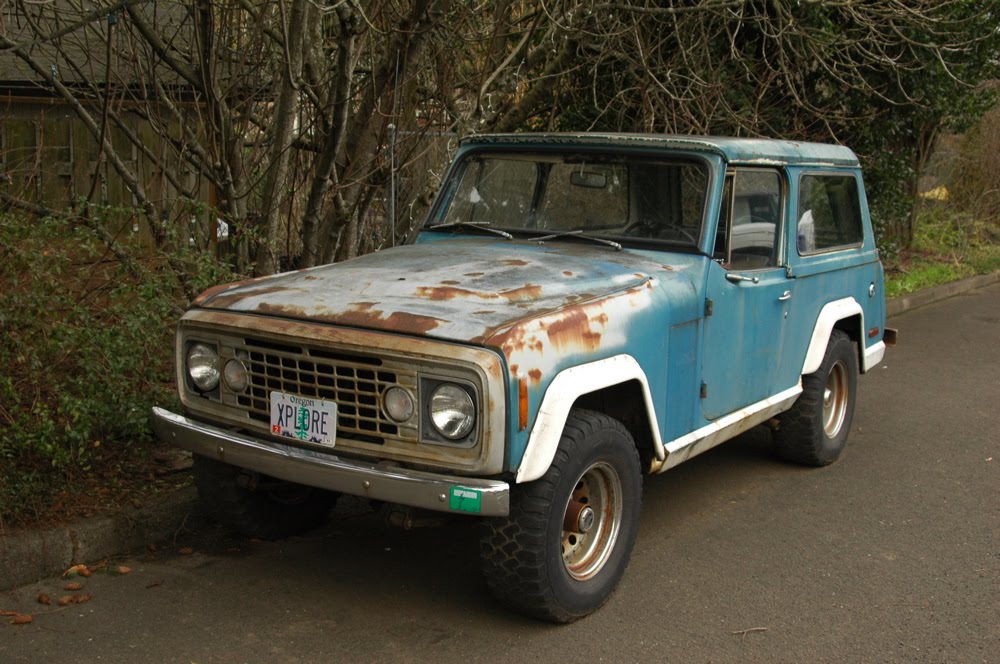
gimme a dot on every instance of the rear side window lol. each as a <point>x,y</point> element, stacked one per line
<point>829,213</point>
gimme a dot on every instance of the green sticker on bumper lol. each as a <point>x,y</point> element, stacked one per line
<point>466,500</point>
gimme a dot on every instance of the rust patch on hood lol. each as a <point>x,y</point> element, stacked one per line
<point>439,293</point>
<point>225,301</point>
<point>215,290</point>
<point>514,262</point>
<point>362,315</point>
<point>526,292</point>
<point>448,293</point>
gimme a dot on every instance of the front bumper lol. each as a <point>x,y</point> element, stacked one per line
<point>323,470</point>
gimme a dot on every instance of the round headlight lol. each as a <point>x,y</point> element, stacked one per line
<point>203,366</point>
<point>236,376</point>
<point>452,411</point>
<point>398,403</point>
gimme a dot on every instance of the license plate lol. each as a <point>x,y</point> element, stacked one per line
<point>304,418</point>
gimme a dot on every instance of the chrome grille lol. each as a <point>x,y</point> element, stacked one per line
<point>355,382</point>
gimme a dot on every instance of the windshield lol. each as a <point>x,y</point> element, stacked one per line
<point>554,194</point>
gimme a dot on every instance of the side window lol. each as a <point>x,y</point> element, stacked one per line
<point>755,212</point>
<point>829,213</point>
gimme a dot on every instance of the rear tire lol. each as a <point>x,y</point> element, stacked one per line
<point>564,547</point>
<point>258,505</point>
<point>814,431</point>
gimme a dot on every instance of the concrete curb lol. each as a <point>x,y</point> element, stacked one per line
<point>904,303</point>
<point>34,555</point>
<point>30,556</point>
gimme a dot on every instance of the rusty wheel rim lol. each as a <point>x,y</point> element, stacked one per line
<point>591,521</point>
<point>835,397</point>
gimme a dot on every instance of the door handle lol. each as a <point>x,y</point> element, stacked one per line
<point>737,278</point>
<point>785,297</point>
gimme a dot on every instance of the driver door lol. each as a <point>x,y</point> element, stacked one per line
<point>749,293</point>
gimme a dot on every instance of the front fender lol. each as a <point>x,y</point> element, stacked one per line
<point>568,386</point>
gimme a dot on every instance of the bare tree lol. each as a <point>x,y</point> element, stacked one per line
<point>295,115</point>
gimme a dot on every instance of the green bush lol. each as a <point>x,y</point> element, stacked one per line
<point>948,244</point>
<point>86,349</point>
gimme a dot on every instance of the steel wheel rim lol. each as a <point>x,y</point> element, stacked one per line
<point>599,489</point>
<point>835,397</point>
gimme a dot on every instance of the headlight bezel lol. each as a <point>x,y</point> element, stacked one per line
<point>429,431</point>
<point>198,384</point>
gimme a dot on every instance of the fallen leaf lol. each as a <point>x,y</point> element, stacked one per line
<point>121,569</point>
<point>21,620</point>
<point>44,599</point>
<point>77,570</point>
<point>73,586</point>
<point>73,599</point>
<point>8,613</point>
<point>185,551</point>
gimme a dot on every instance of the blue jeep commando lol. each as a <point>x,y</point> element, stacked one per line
<point>578,311</point>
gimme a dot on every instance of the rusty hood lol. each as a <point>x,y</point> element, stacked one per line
<point>460,290</point>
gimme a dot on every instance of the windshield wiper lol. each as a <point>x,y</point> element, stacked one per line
<point>475,225</point>
<point>581,235</point>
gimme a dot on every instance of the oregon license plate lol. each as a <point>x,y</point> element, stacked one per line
<point>304,418</point>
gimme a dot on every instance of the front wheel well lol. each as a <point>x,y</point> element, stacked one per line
<point>625,402</point>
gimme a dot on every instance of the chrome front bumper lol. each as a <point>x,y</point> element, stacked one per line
<point>442,493</point>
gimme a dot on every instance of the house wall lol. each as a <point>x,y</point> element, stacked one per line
<point>48,157</point>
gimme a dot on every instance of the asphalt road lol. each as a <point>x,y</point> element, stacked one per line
<point>890,555</point>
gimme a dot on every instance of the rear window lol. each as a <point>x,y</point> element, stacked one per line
<point>829,214</point>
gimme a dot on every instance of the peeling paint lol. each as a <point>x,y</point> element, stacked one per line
<point>581,329</point>
<point>228,299</point>
<point>410,290</point>
<point>362,316</point>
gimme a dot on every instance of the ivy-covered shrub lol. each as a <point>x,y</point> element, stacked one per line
<point>86,348</point>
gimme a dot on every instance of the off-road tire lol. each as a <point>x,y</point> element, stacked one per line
<point>814,431</point>
<point>272,510</point>
<point>536,567</point>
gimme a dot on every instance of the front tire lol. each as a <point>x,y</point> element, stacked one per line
<point>258,505</point>
<point>814,431</point>
<point>564,547</point>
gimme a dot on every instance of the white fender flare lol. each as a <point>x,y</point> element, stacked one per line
<point>563,391</point>
<point>830,315</point>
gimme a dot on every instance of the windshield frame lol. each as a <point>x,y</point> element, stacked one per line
<point>598,154</point>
